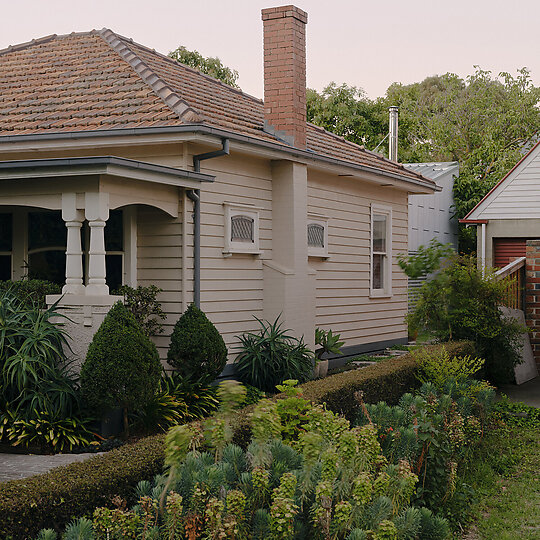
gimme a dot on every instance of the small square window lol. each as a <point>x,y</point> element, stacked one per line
<point>241,229</point>
<point>317,237</point>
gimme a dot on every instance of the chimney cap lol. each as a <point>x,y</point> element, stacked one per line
<point>284,11</point>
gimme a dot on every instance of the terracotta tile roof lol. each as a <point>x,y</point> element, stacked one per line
<point>99,80</point>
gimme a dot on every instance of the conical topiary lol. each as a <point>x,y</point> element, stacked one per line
<point>122,366</point>
<point>197,349</point>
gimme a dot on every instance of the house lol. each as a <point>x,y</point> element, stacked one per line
<point>120,165</point>
<point>430,216</point>
<point>508,223</point>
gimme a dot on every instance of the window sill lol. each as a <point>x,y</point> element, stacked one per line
<point>231,252</point>
<point>382,294</point>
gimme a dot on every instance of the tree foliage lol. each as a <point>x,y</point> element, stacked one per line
<point>210,66</point>
<point>346,111</point>
<point>484,122</point>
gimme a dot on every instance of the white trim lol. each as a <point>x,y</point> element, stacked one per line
<point>386,291</point>
<point>485,203</point>
<point>230,246</point>
<point>323,222</point>
<point>129,223</point>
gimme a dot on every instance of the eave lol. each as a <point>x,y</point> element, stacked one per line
<point>272,150</point>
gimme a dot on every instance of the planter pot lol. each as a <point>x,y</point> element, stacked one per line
<point>321,369</point>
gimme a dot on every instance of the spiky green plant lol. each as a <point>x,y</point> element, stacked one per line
<point>272,355</point>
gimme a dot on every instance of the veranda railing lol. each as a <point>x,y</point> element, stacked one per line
<point>514,275</point>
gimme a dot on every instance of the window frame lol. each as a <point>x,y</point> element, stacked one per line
<point>314,251</point>
<point>230,246</point>
<point>386,290</point>
<point>10,252</point>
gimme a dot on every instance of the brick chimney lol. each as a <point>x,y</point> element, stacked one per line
<point>285,73</point>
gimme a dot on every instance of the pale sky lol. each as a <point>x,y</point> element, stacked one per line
<point>364,43</point>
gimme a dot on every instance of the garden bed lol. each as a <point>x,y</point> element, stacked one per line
<point>53,499</point>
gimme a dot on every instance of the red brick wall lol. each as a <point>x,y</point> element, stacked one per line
<point>285,71</point>
<point>532,294</point>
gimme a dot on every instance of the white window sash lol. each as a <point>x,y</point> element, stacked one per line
<point>386,290</point>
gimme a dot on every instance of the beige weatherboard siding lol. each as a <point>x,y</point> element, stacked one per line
<point>343,301</point>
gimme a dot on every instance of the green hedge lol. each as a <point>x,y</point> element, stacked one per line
<point>52,499</point>
<point>386,381</point>
<point>32,289</point>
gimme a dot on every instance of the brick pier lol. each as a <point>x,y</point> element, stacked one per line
<point>532,295</point>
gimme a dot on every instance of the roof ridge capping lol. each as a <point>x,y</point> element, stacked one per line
<point>190,68</point>
<point>26,44</point>
<point>177,104</point>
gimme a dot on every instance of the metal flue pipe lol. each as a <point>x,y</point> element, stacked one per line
<point>393,134</point>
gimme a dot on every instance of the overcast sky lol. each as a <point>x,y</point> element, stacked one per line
<point>364,43</point>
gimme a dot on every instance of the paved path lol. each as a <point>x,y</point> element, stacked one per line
<point>17,466</point>
<point>528,393</point>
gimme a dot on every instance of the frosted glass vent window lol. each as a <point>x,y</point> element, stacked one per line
<point>242,229</point>
<point>315,235</point>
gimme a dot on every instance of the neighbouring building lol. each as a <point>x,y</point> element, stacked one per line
<point>431,216</point>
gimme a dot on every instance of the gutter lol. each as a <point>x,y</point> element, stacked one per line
<point>222,134</point>
<point>195,196</point>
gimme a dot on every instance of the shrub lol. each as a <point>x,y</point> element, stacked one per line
<point>53,499</point>
<point>426,260</point>
<point>122,366</point>
<point>270,356</point>
<point>197,349</point>
<point>432,431</point>
<point>386,381</point>
<point>436,366</point>
<point>32,503</point>
<point>39,397</point>
<point>200,397</point>
<point>331,481</point>
<point>461,304</point>
<point>146,309</point>
<point>31,291</point>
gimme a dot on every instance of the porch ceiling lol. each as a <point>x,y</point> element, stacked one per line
<point>106,165</point>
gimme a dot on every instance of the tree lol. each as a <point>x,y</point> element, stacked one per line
<point>483,122</point>
<point>346,111</point>
<point>210,66</point>
<point>460,303</point>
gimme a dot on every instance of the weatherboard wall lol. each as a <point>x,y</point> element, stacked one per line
<point>343,302</point>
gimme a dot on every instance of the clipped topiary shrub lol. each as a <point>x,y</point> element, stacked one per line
<point>197,349</point>
<point>122,366</point>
